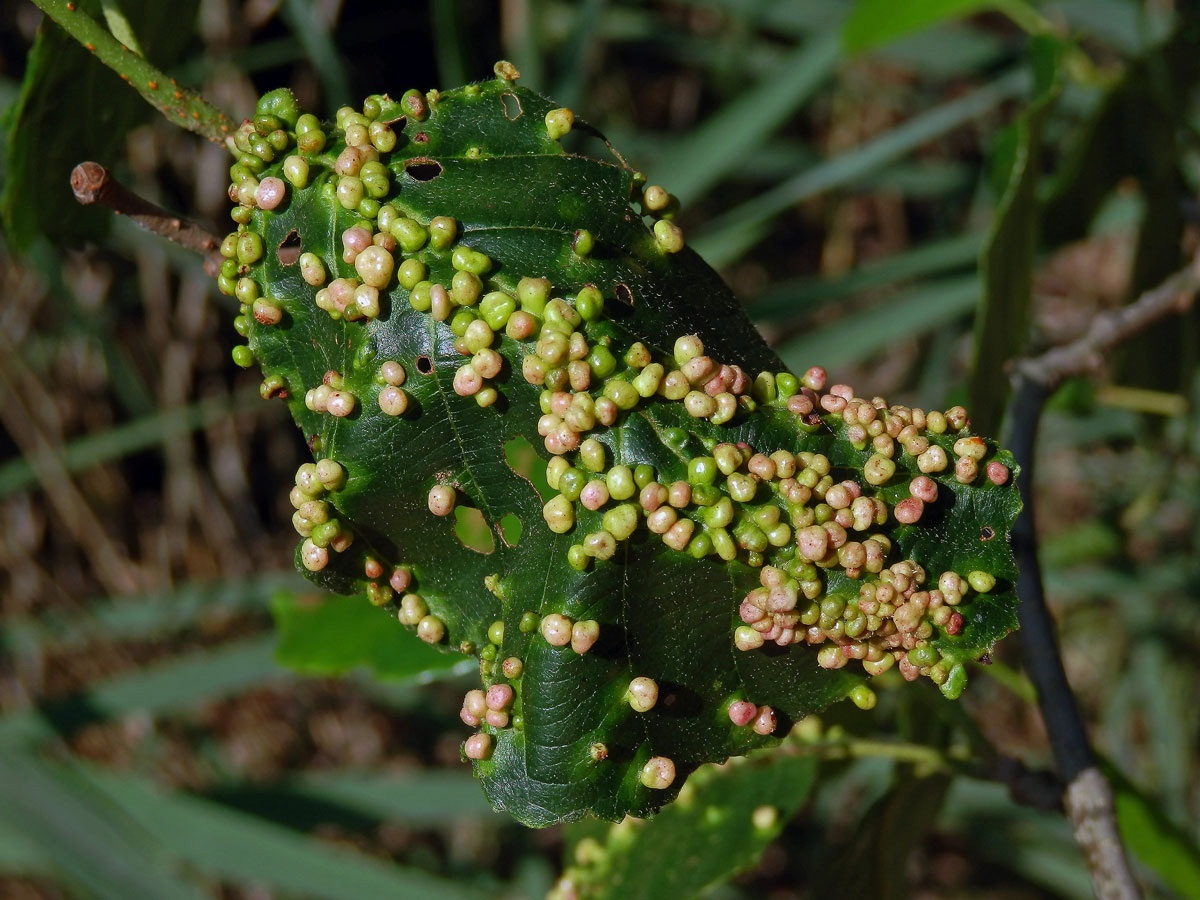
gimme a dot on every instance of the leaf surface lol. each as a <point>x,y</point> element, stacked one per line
<point>642,603</point>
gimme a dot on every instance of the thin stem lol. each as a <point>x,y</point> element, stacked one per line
<point>185,108</point>
<point>92,183</point>
<point>1088,798</point>
<point>1087,353</point>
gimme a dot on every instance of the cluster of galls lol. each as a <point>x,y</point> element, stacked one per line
<point>891,621</point>
<point>499,705</point>
<point>315,520</point>
<point>786,512</point>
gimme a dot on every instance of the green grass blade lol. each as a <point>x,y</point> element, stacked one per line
<point>803,294</point>
<point>419,799</point>
<point>153,614</point>
<point>87,842</point>
<point>724,240</point>
<point>159,688</point>
<point>240,847</point>
<point>855,337</point>
<point>140,434</point>
<point>446,18</point>
<point>578,51</point>
<point>305,21</point>
<point>877,22</point>
<point>1033,844</point>
<point>1003,318</point>
<point>729,137</point>
<point>1157,843</point>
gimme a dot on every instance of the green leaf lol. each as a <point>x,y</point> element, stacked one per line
<point>729,137</point>
<point>71,109</point>
<point>1159,844</point>
<point>720,826</point>
<point>1003,318</point>
<point>87,842</point>
<point>890,830</point>
<point>416,427</point>
<point>233,845</point>
<point>874,23</point>
<point>338,634</point>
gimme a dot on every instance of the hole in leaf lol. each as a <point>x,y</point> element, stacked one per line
<point>288,250</point>
<point>424,365</point>
<point>423,169</point>
<point>624,294</point>
<point>986,533</point>
<point>512,106</point>
<point>420,138</point>
<point>510,529</point>
<point>524,461</point>
<point>471,528</point>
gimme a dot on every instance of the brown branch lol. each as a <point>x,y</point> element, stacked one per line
<point>1086,353</point>
<point>93,183</point>
<point>1088,798</point>
<point>1089,804</point>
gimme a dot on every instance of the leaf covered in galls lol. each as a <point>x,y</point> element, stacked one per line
<point>458,304</point>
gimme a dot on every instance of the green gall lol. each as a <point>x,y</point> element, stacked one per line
<point>466,288</point>
<point>442,232</point>
<point>601,361</point>
<point>863,697</point>
<point>589,303</point>
<point>668,236</point>
<point>592,454</point>
<point>556,629</point>
<point>410,234</point>
<point>295,170</point>
<point>559,122</point>
<point>584,635</point>
<point>582,243</point>
<point>559,514</point>
<point>496,632</point>
<point>431,629</point>
<point>414,105</point>
<point>983,582</point>
<point>658,773</point>
<point>702,470</point>
<point>464,259</point>
<point>350,192</point>
<point>621,521</point>
<point>878,469</point>
<point>249,248</point>
<point>642,694</point>
<point>243,356</point>
<point>620,481</point>
<point>410,273</point>
<point>955,683</point>
<point>441,500</point>
<point>533,294</point>
<point>496,308</point>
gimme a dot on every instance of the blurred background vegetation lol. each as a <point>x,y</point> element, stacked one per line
<point>879,192</point>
